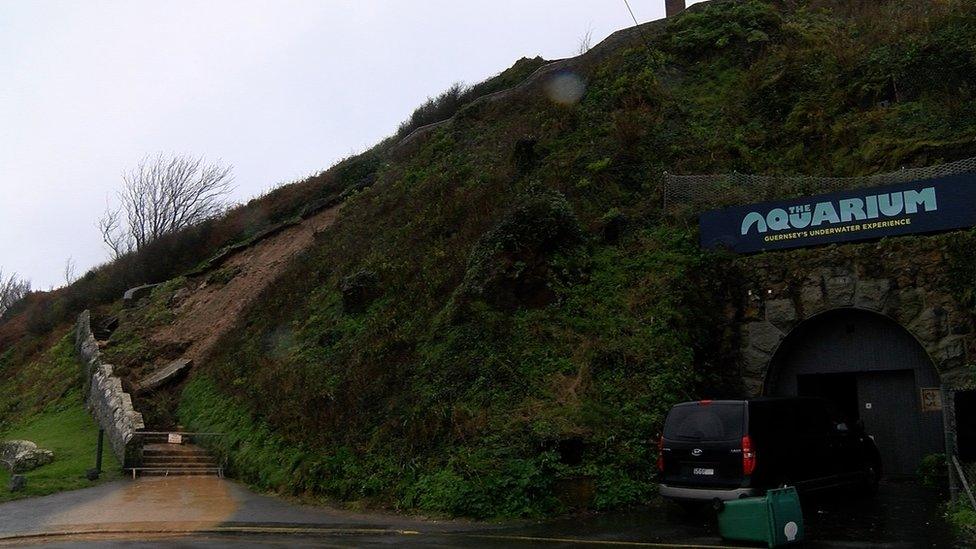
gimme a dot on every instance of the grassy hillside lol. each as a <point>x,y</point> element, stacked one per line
<point>535,313</point>
<point>40,401</point>
<point>67,430</point>
<point>30,328</point>
<point>34,377</point>
<point>519,313</point>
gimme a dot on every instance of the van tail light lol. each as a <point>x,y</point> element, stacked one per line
<point>748,456</point>
<point>660,454</point>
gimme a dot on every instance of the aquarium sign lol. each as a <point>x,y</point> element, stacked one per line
<point>925,206</point>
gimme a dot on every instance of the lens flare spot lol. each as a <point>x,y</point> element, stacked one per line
<point>565,88</point>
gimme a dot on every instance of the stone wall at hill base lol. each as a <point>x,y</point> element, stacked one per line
<point>105,398</point>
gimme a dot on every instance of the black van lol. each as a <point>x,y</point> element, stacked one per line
<point>727,449</point>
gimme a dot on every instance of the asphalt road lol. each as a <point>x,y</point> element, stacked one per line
<point>208,513</point>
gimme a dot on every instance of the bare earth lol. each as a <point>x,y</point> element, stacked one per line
<point>212,310</point>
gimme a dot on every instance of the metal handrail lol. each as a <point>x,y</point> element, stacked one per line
<point>190,433</point>
<point>965,483</point>
<point>219,469</point>
<point>221,459</point>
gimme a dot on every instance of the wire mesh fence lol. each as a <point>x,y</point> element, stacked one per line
<point>693,193</point>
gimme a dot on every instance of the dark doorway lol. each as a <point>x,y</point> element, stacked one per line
<point>872,370</point>
<point>839,389</point>
<point>966,425</point>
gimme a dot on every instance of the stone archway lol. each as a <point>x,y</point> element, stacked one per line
<point>774,308</point>
<point>873,371</point>
<point>908,280</point>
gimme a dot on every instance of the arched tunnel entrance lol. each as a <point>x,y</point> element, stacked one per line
<point>874,371</point>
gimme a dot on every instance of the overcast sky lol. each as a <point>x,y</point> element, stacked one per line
<point>278,89</point>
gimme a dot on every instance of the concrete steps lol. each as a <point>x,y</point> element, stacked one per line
<point>171,459</point>
<point>160,458</point>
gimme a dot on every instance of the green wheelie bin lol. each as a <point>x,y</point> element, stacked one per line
<point>775,519</point>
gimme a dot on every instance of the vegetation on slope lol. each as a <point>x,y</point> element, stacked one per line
<point>535,313</point>
<point>964,519</point>
<point>69,431</point>
<point>42,403</point>
<point>35,377</point>
<point>476,412</point>
<point>449,102</point>
<point>40,313</point>
<point>521,340</point>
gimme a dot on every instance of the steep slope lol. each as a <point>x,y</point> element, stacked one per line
<point>497,325</point>
<point>535,313</point>
<point>187,316</point>
<point>215,302</point>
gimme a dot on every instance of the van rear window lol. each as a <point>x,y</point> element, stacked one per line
<point>715,421</point>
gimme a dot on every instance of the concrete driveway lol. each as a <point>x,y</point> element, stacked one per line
<point>210,512</point>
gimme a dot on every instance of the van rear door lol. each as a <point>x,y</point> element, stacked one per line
<point>702,444</point>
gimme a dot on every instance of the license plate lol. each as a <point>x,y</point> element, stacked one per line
<point>704,471</point>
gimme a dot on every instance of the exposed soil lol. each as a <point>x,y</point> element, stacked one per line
<point>212,308</point>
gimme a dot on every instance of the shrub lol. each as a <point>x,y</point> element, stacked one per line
<point>932,470</point>
<point>435,109</point>
<point>735,25</point>
<point>510,266</point>
<point>963,519</point>
<point>449,102</point>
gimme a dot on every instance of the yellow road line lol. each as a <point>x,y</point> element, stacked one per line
<point>589,541</point>
<point>335,531</point>
<point>205,530</point>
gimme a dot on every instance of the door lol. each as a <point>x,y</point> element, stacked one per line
<point>840,393</point>
<point>815,455</point>
<point>839,390</point>
<point>854,359</point>
<point>889,409</point>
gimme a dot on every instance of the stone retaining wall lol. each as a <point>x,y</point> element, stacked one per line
<point>108,403</point>
<point>905,279</point>
<point>914,280</point>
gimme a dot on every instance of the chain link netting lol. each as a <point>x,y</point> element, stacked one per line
<point>698,192</point>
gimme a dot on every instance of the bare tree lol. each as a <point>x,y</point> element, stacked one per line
<point>162,195</point>
<point>12,290</point>
<point>585,41</point>
<point>69,270</point>
<point>119,241</point>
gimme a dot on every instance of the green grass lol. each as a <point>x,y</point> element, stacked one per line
<point>963,518</point>
<point>254,452</point>
<point>42,403</point>
<point>30,385</point>
<point>69,431</point>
